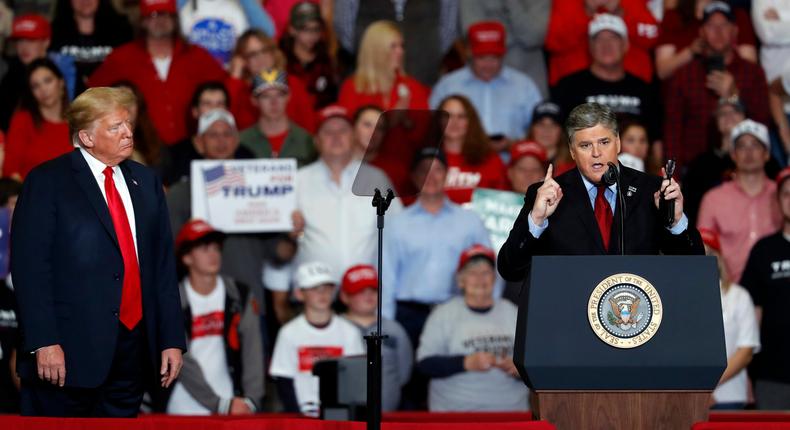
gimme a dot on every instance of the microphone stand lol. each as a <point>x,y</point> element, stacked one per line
<point>375,339</point>
<point>612,176</point>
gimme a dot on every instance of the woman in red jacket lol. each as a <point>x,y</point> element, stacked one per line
<point>38,130</point>
<point>380,79</point>
<point>471,160</point>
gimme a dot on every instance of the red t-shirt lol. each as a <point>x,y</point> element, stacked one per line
<point>276,141</point>
<point>299,108</point>
<point>675,32</point>
<point>463,178</point>
<point>567,39</point>
<point>352,99</point>
<point>28,146</point>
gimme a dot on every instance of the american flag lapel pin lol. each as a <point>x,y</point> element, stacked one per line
<point>631,191</point>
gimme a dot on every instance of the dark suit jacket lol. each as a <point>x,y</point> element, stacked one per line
<point>573,230</point>
<point>68,270</point>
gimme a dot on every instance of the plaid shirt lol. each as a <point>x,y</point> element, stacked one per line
<point>689,105</point>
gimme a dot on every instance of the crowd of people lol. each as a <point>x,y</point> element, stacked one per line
<point>702,82</point>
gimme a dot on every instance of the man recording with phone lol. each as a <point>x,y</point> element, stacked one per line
<point>718,72</point>
<point>599,208</point>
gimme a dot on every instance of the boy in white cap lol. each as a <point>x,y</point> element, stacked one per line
<point>314,335</point>
<point>743,210</point>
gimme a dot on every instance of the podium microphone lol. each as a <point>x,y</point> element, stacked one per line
<point>611,177</point>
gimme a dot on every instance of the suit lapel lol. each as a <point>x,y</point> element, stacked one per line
<point>630,191</point>
<point>87,182</point>
<point>581,201</point>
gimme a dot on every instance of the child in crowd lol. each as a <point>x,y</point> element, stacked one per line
<point>275,135</point>
<point>360,292</point>
<point>223,371</point>
<point>314,335</point>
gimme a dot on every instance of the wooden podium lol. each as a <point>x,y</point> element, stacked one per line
<point>607,410</point>
<point>587,372</point>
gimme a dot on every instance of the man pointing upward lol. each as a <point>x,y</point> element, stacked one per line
<point>576,214</point>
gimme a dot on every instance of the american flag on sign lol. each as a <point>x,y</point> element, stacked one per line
<point>218,177</point>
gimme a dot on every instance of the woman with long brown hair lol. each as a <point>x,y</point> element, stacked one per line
<point>38,130</point>
<point>471,160</point>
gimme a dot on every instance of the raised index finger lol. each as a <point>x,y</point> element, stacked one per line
<point>549,171</point>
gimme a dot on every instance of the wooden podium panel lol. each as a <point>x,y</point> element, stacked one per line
<point>626,410</point>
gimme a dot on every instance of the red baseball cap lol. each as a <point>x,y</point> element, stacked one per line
<point>780,178</point>
<point>487,38</point>
<point>527,148</point>
<point>31,26</point>
<point>710,238</point>
<point>194,230</point>
<point>332,111</point>
<point>359,277</point>
<point>149,7</point>
<point>474,251</point>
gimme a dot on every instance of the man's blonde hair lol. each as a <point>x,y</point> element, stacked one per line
<point>93,104</point>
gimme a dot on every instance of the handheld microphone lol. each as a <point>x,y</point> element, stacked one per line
<point>668,206</point>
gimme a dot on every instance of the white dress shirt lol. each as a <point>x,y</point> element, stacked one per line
<point>97,169</point>
<point>340,228</point>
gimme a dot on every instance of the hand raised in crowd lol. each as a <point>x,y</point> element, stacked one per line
<point>671,190</point>
<point>239,407</point>
<point>171,366</point>
<point>479,361</point>
<point>298,221</point>
<point>548,197</point>
<point>236,66</point>
<point>51,364</point>
<point>721,82</point>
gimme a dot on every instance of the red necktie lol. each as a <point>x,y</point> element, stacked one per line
<point>603,214</point>
<point>131,297</point>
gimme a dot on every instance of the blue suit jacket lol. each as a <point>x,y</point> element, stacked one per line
<point>67,268</point>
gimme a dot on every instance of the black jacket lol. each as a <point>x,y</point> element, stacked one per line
<point>573,230</point>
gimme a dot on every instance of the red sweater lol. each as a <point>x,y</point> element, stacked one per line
<point>463,178</point>
<point>352,99</point>
<point>28,146</point>
<point>299,108</point>
<point>567,39</point>
<point>168,101</point>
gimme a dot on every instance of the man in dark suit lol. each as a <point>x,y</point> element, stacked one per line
<point>94,271</point>
<point>575,214</point>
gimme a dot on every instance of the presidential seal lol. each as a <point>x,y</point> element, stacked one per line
<point>625,310</point>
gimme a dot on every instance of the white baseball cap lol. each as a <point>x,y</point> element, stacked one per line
<point>209,118</point>
<point>313,274</point>
<point>754,128</point>
<point>607,21</point>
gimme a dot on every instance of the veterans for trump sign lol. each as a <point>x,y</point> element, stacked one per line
<point>244,196</point>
